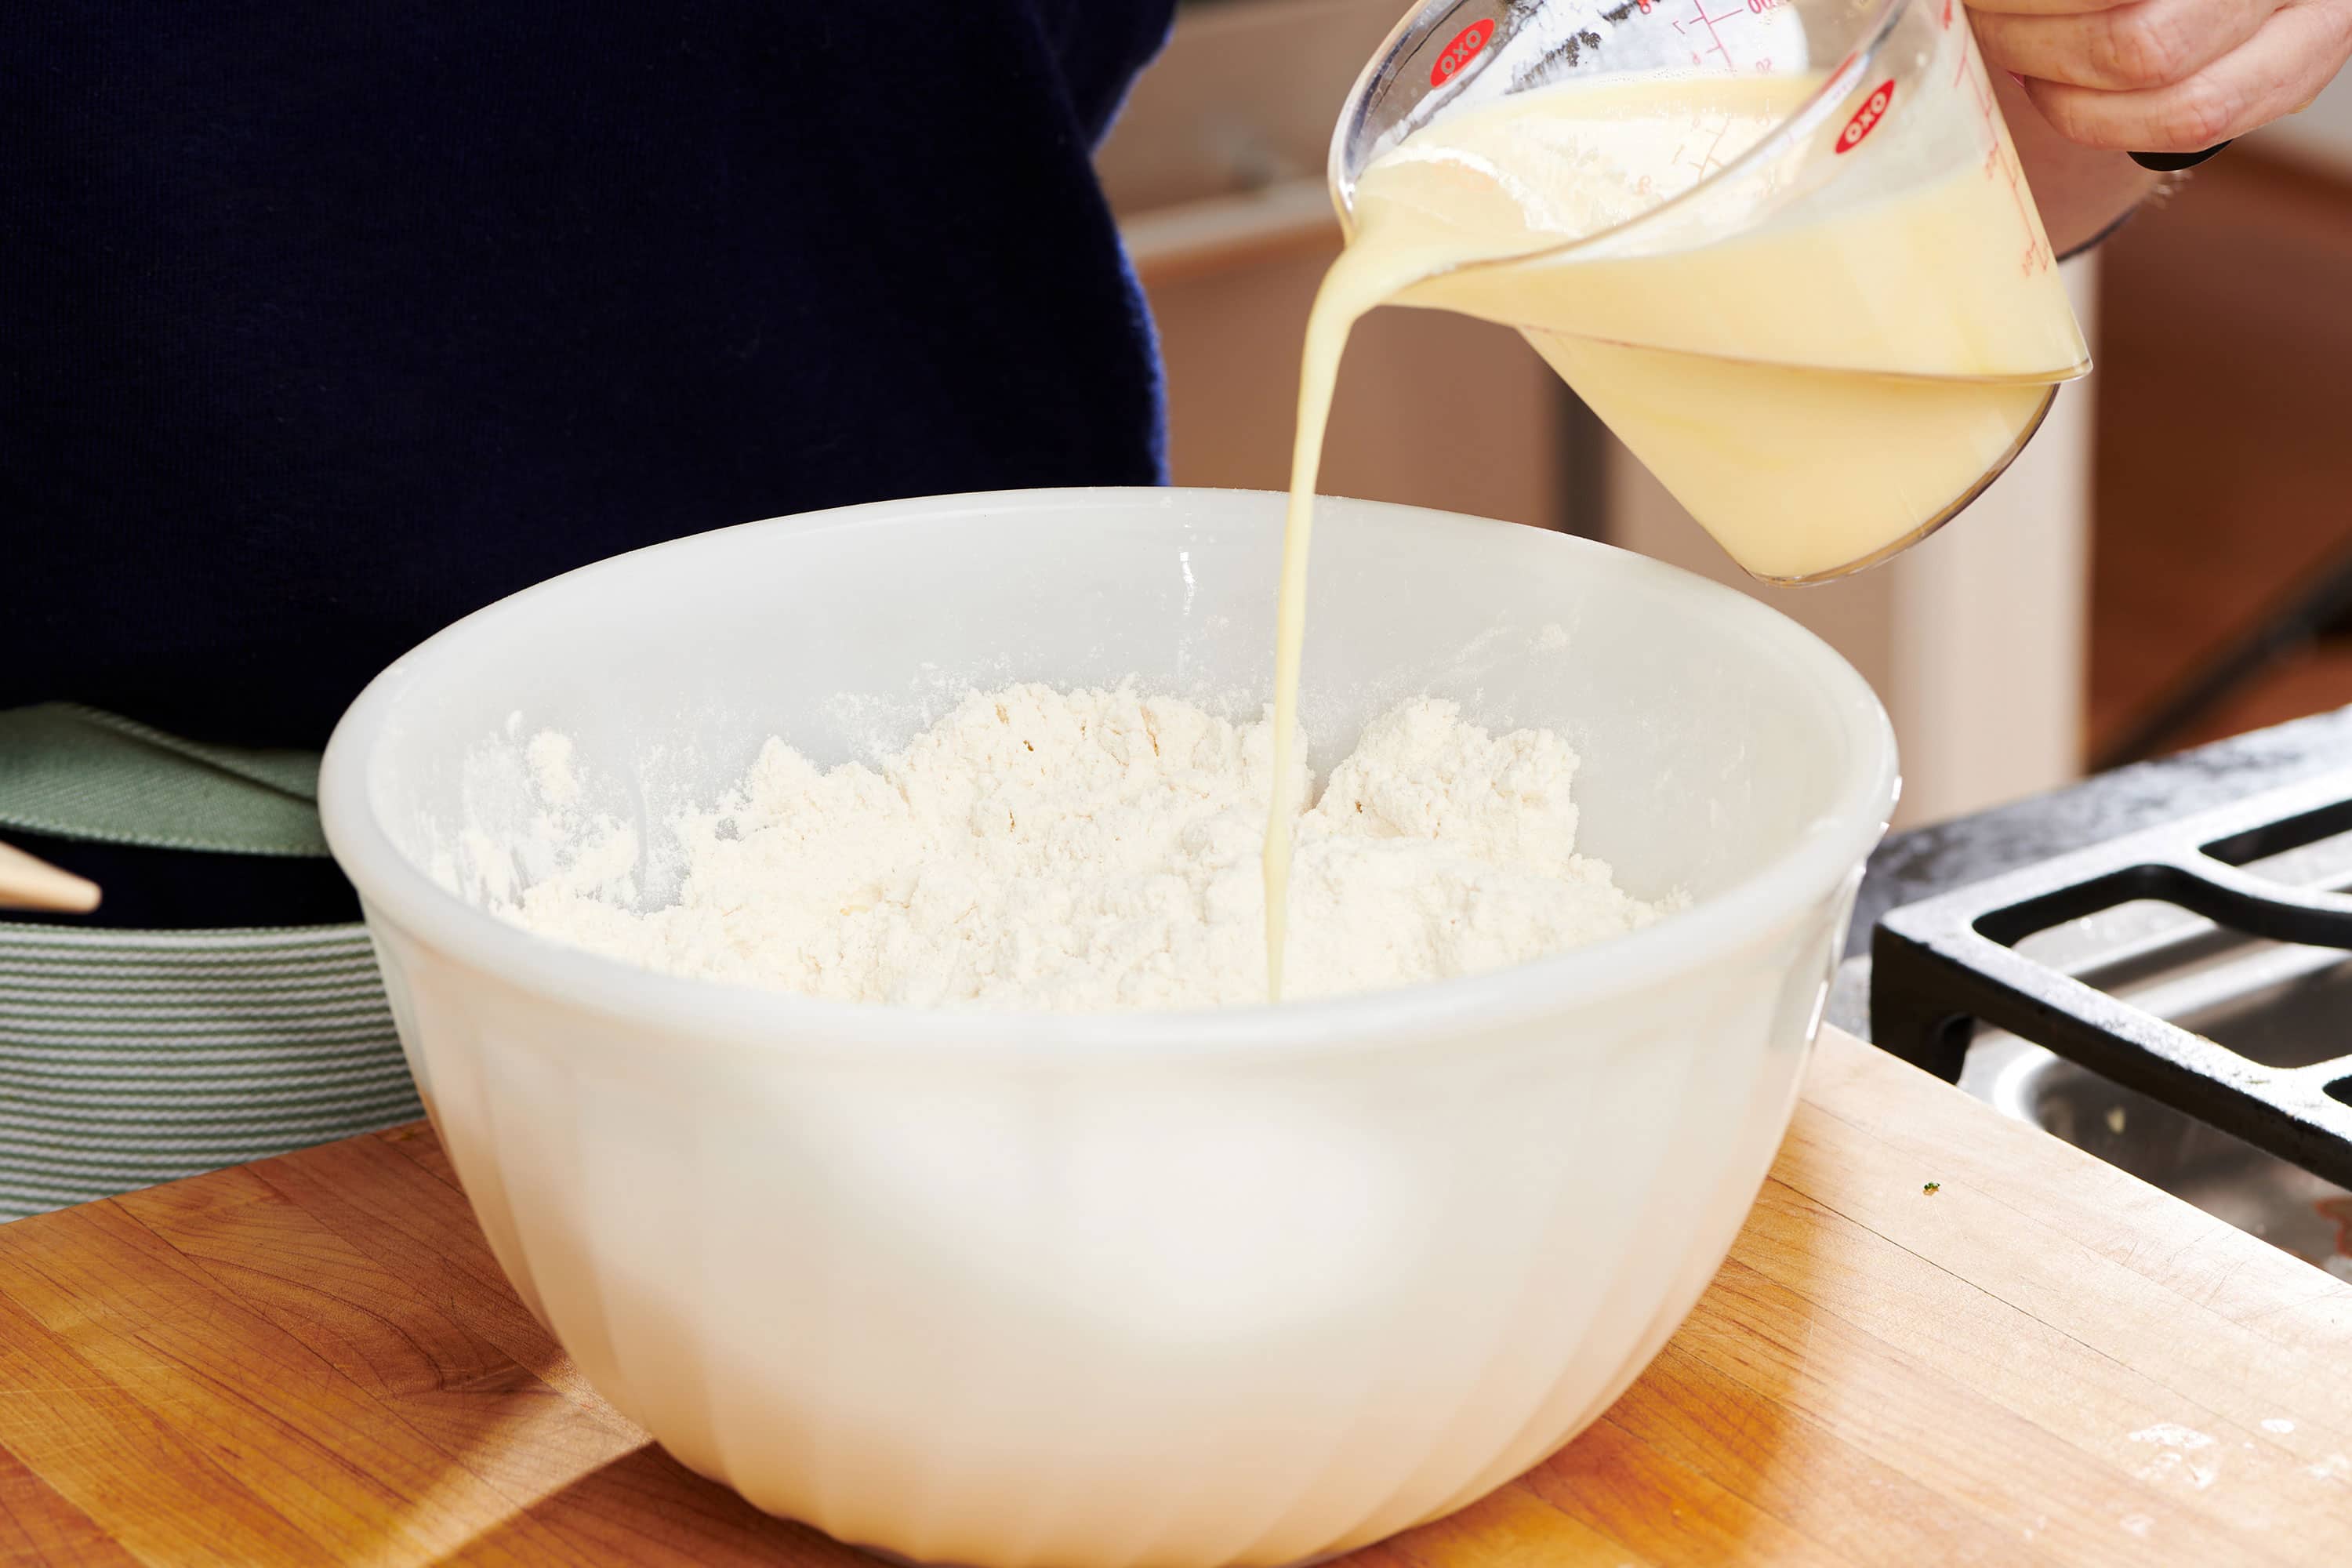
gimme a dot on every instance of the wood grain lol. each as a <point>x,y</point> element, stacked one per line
<point>314,1359</point>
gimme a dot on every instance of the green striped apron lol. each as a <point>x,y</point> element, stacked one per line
<point>129,1057</point>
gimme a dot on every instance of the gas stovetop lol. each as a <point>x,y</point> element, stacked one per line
<point>2177,1000</point>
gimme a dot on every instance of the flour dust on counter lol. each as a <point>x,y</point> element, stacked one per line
<point>1094,850</point>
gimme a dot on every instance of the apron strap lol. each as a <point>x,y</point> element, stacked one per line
<point>75,772</point>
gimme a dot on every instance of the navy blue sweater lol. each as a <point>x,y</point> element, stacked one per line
<point>324,325</point>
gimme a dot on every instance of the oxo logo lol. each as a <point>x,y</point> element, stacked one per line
<point>1865,119</point>
<point>1461,51</point>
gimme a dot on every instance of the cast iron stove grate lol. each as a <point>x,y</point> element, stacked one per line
<point>1943,965</point>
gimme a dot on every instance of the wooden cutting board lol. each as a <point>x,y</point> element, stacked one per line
<point>2042,1361</point>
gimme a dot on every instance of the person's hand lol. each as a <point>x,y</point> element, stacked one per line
<point>2165,76</point>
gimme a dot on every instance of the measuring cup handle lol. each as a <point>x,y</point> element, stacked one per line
<point>2172,163</point>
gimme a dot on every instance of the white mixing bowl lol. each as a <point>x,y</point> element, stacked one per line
<point>1171,1290</point>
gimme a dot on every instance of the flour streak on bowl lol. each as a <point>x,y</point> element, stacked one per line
<point>1003,1288</point>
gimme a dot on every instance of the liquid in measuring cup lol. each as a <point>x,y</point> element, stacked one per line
<point>1785,383</point>
<point>1819,386</point>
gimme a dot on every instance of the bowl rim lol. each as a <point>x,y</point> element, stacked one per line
<point>686,1013</point>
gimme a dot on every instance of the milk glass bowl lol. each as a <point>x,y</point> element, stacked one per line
<point>1003,1290</point>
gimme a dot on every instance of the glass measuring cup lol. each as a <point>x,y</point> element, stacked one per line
<point>1782,247</point>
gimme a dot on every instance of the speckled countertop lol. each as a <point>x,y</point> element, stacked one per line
<point>1929,860</point>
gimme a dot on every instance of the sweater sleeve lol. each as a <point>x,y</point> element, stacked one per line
<point>1102,44</point>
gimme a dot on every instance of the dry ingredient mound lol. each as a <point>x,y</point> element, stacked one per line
<point>1094,850</point>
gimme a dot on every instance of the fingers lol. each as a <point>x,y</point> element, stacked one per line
<point>2291,56</point>
<point>1979,10</point>
<point>2125,48</point>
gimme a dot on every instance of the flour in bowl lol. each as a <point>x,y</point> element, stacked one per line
<point>1094,850</point>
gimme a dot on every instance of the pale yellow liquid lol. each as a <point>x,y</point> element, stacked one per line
<point>1784,383</point>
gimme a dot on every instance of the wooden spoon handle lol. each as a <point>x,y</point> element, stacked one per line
<point>27,883</point>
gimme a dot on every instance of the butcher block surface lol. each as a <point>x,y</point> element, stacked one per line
<point>1941,1337</point>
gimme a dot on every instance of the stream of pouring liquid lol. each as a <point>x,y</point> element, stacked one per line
<point>1782,383</point>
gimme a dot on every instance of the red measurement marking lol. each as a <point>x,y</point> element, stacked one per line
<point>1946,21</point>
<point>2036,257</point>
<point>1865,119</point>
<point>1757,7</point>
<point>1714,37</point>
<point>1462,50</point>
